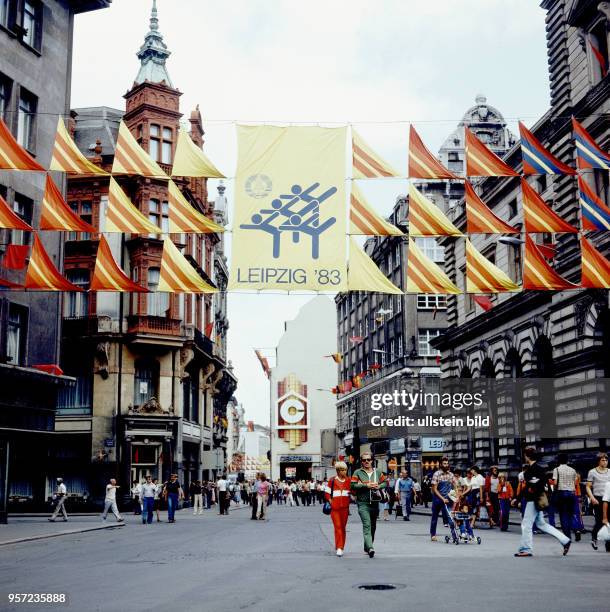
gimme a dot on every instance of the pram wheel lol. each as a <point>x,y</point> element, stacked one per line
<point>446,539</point>
<point>478,540</point>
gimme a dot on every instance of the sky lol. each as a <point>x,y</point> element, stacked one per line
<point>375,65</point>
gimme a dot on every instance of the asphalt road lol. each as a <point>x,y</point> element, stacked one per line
<point>215,563</point>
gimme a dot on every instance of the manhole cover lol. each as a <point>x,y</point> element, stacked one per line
<point>377,587</point>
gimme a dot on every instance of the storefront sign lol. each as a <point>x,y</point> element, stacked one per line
<point>397,447</point>
<point>432,445</point>
<point>296,458</point>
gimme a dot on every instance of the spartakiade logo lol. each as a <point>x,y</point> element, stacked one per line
<point>258,186</point>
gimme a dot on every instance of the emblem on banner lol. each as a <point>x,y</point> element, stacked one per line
<point>258,186</point>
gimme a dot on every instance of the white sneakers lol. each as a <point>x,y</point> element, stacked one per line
<point>339,552</point>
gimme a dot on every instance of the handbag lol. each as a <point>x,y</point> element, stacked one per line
<point>542,501</point>
<point>379,495</point>
<point>326,508</point>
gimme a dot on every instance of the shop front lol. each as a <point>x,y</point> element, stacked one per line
<point>297,467</point>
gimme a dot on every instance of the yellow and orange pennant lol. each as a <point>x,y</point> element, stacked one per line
<point>427,219</point>
<point>123,216</point>
<point>190,160</point>
<point>363,220</point>
<point>363,273</point>
<point>336,357</point>
<point>422,164</point>
<point>537,274</point>
<point>42,275</point>
<point>178,275</point>
<point>424,276</point>
<point>108,276</point>
<point>366,163</point>
<point>10,219</point>
<point>538,217</point>
<point>184,218</point>
<point>482,161</point>
<point>68,158</point>
<point>595,267</point>
<point>484,277</point>
<point>480,219</point>
<point>55,214</point>
<point>131,158</point>
<point>12,155</point>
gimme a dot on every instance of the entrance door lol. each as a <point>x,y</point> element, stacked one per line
<point>145,461</point>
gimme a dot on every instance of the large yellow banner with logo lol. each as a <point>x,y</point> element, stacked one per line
<point>289,227</point>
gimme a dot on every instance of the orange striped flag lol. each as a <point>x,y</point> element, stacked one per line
<point>131,158</point>
<point>422,164</point>
<point>55,214</point>
<point>123,216</point>
<point>10,219</point>
<point>178,275</point>
<point>482,161</point>
<point>480,219</point>
<point>108,276</point>
<point>363,220</point>
<point>184,218</point>
<point>67,157</point>
<point>537,274</point>
<point>538,216</point>
<point>484,277</point>
<point>42,275</point>
<point>366,163</point>
<point>427,219</point>
<point>424,276</point>
<point>12,155</point>
<point>595,267</point>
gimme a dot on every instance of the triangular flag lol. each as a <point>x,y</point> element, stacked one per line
<point>67,157</point>
<point>12,155</point>
<point>7,285</point>
<point>363,220</point>
<point>422,164</point>
<point>123,216</point>
<point>264,363</point>
<point>108,276</point>
<point>537,274</point>
<point>15,256</point>
<point>10,219</point>
<point>595,267</point>
<point>548,250</point>
<point>484,277</point>
<point>595,214</point>
<point>538,217</point>
<point>364,275</point>
<point>480,219</point>
<point>424,276</point>
<point>366,163</point>
<point>42,274</point>
<point>482,161</point>
<point>178,275</point>
<point>427,219</point>
<point>588,153</point>
<point>55,214</point>
<point>190,160</point>
<point>131,158</point>
<point>537,159</point>
<point>484,302</point>
<point>184,218</point>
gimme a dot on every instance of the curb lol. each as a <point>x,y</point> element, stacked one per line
<point>58,534</point>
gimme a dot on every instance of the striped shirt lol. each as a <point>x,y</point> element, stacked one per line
<point>565,478</point>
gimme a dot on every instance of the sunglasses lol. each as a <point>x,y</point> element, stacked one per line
<point>367,460</point>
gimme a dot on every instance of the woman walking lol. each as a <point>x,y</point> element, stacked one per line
<point>337,492</point>
<point>597,479</point>
<point>367,484</point>
<point>505,496</point>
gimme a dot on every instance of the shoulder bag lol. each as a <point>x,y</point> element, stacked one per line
<point>327,507</point>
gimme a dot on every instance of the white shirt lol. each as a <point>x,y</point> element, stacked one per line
<point>222,485</point>
<point>158,489</point>
<point>417,487</point>
<point>606,496</point>
<point>149,489</point>
<point>110,492</point>
<point>61,489</point>
<point>136,490</point>
<point>477,481</point>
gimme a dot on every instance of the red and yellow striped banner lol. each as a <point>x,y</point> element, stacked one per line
<point>595,267</point>
<point>178,275</point>
<point>482,161</point>
<point>484,277</point>
<point>190,160</point>
<point>55,214</point>
<point>427,219</point>
<point>366,163</point>
<point>363,220</point>
<point>537,274</point>
<point>10,219</point>
<point>422,164</point>
<point>424,276</point>
<point>108,276</point>
<point>480,219</point>
<point>12,155</point>
<point>42,275</point>
<point>131,158</point>
<point>538,217</point>
<point>184,218</point>
<point>123,216</point>
<point>68,158</point>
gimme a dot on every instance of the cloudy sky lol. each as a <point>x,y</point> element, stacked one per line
<point>376,65</point>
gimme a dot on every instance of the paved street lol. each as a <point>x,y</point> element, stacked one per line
<point>287,563</point>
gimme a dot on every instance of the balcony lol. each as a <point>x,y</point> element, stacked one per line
<point>157,326</point>
<point>82,327</point>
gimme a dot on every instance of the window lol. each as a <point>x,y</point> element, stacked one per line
<point>158,301</point>
<point>32,23</point>
<point>16,334</point>
<point>512,208</point>
<point>166,146</point>
<point>431,249</point>
<point>601,186</point>
<point>146,381</point>
<point>423,342</point>
<point>5,93</point>
<point>26,119</point>
<point>85,211</point>
<point>468,297</point>
<point>158,213</point>
<point>398,304</point>
<point>76,399</point>
<point>515,263</point>
<point>397,254</point>
<point>598,51</point>
<point>161,144</point>
<point>77,303</point>
<point>541,183</point>
<point>190,394</point>
<point>23,207</point>
<point>4,12</point>
<point>454,164</point>
<point>400,346</point>
<point>154,142</point>
<point>427,301</point>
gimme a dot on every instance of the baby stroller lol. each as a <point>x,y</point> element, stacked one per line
<point>461,518</point>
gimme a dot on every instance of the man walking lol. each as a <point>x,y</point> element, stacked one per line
<point>443,482</point>
<point>195,492</point>
<point>136,492</point>
<point>173,492</point>
<point>149,490</point>
<point>565,486</point>
<point>157,502</point>
<point>404,491</point>
<point>223,499</point>
<point>60,499</point>
<point>110,501</point>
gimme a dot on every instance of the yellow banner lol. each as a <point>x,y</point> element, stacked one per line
<point>290,209</point>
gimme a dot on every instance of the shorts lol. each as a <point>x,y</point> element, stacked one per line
<point>157,504</point>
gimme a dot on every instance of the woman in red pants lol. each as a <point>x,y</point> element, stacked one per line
<point>337,492</point>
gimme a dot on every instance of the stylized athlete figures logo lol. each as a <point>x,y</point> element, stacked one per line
<point>283,217</point>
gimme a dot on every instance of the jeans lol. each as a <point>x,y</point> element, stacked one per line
<point>504,514</point>
<point>577,523</point>
<point>148,504</point>
<point>369,513</point>
<point>110,504</point>
<point>565,506</point>
<point>172,504</point>
<point>532,516</point>
<point>405,502</point>
<point>439,507</point>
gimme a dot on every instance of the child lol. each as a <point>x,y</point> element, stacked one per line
<point>461,514</point>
